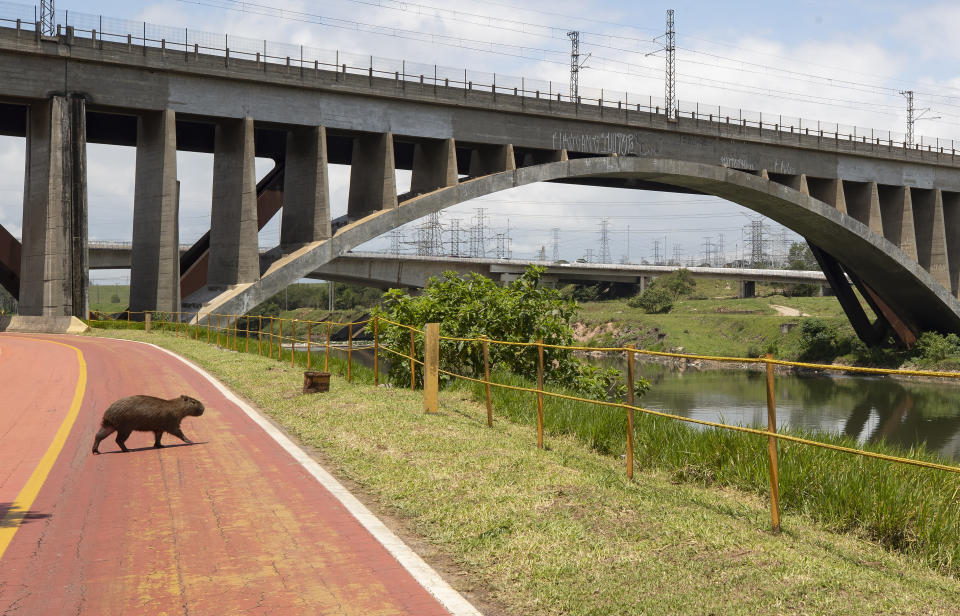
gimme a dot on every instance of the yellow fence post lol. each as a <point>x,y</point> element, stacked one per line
<point>259,335</point>
<point>309,356</point>
<point>431,368</point>
<point>146,322</point>
<point>630,401</point>
<point>293,340</point>
<point>772,449</point>
<point>218,330</point>
<point>270,340</point>
<point>349,349</point>
<point>413,363</point>
<point>486,381</point>
<point>246,336</point>
<point>326,357</point>
<point>376,354</point>
<point>209,317</point>
<point>540,394</point>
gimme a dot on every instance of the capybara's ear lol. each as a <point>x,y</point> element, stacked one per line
<point>185,398</point>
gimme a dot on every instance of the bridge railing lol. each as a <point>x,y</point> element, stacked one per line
<point>296,340</point>
<point>100,29</point>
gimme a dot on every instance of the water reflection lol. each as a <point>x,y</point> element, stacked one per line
<point>868,409</point>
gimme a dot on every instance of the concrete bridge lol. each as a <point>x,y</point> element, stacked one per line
<point>388,271</point>
<point>885,216</point>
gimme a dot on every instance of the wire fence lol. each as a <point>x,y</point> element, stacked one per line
<point>283,339</point>
<point>139,36</point>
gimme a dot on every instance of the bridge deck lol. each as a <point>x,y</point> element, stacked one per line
<point>231,524</point>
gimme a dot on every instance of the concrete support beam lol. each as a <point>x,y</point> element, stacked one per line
<point>931,234</point>
<point>373,181</point>
<point>234,255</point>
<point>434,165</point>
<point>863,203</point>
<point>896,207</point>
<point>492,159</point>
<point>829,191</point>
<point>155,257</point>
<point>53,262</point>
<point>306,191</point>
<point>951,219</point>
<point>796,182</point>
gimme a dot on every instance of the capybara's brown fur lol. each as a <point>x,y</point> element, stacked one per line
<point>146,414</point>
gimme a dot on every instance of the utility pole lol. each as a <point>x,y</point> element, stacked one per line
<point>670,85</point>
<point>556,244</point>
<point>574,64</point>
<point>909,96</point>
<point>913,115</point>
<point>48,24</point>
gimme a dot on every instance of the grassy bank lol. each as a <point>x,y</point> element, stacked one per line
<point>561,531</point>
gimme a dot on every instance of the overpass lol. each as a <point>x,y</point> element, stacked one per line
<point>388,271</point>
<point>884,215</point>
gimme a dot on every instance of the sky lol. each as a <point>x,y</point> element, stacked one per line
<point>834,62</point>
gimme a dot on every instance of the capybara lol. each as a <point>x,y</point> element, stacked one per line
<point>146,414</point>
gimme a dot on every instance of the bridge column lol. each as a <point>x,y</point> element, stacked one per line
<point>373,182</point>
<point>896,207</point>
<point>155,257</point>
<point>53,261</point>
<point>830,191</point>
<point>434,165</point>
<point>234,255</point>
<point>488,159</point>
<point>306,192</point>
<point>951,219</point>
<point>748,288</point>
<point>931,234</point>
<point>863,203</point>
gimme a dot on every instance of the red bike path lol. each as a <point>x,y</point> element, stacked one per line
<point>232,524</point>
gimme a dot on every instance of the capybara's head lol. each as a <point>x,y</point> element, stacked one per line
<point>192,406</point>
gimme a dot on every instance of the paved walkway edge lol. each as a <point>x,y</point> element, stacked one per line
<point>423,573</point>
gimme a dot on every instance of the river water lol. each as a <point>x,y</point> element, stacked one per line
<point>866,408</point>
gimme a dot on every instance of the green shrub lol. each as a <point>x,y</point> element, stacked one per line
<point>932,347</point>
<point>653,301</point>
<point>678,284</point>
<point>818,341</point>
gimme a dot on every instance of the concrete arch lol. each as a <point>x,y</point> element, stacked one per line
<point>898,279</point>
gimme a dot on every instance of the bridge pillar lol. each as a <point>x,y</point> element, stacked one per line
<point>828,190</point>
<point>748,288</point>
<point>896,208</point>
<point>373,182</point>
<point>863,203</point>
<point>234,255</point>
<point>434,165</point>
<point>53,261</point>
<point>488,159</point>
<point>306,192</point>
<point>155,257</point>
<point>951,219</point>
<point>931,234</point>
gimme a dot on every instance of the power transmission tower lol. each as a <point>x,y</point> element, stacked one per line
<point>542,255</point>
<point>754,238</point>
<point>556,244</point>
<point>48,24</point>
<point>670,85</point>
<point>656,252</point>
<point>430,237</point>
<point>677,254</point>
<point>605,241</point>
<point>455,250</point>
<point>396,237</point>
<point>477,238</point>
<point>588,255</point>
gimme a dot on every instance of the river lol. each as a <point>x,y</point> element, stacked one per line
<point>866,408</point>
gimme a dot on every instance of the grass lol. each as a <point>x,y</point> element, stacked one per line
<point>561,530</point>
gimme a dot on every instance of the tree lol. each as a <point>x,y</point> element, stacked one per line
<point>800,257</point>
<point>653,301</point>
<point>678,284</point>
<point>474,306</point>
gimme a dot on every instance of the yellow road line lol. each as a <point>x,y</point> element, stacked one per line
<point>21,505</point>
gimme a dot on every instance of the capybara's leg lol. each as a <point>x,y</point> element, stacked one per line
<point>122,436</point>
<point>179,434</point>
<point>104,432</point>
<point>157,434</point>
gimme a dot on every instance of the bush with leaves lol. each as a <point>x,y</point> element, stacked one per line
<point>818,341</point>
<point>472,307</point>
<point>653,301</point>
<point>932,347</point>
<point>679,284</point>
